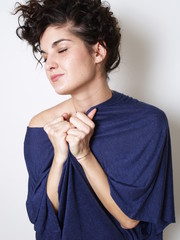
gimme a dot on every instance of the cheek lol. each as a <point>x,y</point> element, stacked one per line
<point>81,64</point>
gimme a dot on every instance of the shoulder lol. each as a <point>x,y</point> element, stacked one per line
<point>48,115</point>
<point>144,113</point>
<point>154,117</point>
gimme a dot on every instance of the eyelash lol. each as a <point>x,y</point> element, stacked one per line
<point>64,50</point>
<point>61,51</point>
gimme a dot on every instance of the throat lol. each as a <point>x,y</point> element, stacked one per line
<point>85,102</point>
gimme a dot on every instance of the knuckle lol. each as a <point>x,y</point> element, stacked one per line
<point>93,125</point>
<point>71,119</point>
<point>82,136</point>
<point>64,135</point>
<point>46,128</point>
<point>54,132</point>
<point>77,140</point>
<point>66,126</point>
<point>51,132</point>
<point>88,129</point>
<point>79,114</point>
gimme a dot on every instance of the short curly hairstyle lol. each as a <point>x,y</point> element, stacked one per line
<point>91,20</point>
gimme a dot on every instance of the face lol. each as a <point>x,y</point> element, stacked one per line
<point>69,66</point>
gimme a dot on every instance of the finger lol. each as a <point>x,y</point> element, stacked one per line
<point>61,127</point>
<point>54,121</point>
<point>65,116</point>
<point>57,127</point>
<point>76,132</point>
<point>84,118</point>
<point>92,113</point>
<point>72,140</point>
<point>79,124</point>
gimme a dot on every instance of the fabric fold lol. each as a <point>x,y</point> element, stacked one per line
<point>38,153</point>
<point>131,142</point>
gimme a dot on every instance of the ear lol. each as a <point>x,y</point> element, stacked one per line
<point>99,53</point>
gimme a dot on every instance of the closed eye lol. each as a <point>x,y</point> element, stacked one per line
<point>61,51</point>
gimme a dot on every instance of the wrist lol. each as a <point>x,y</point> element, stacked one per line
<point>59,159</point>
<point>84,156</point>
<point>84,159</point>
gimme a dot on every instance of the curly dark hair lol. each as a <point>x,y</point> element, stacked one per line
<point>91,20</point>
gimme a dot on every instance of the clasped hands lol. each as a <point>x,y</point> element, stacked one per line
<point>76,130</point>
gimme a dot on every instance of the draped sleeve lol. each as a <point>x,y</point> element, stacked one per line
<point>38,153</point>
<point>131,142</point>
<point>136,156</point>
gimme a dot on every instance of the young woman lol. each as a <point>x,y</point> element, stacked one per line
<point>99,163</point>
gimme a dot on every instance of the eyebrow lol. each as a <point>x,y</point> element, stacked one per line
<point>54,44</point>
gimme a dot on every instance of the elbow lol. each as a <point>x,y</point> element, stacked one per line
<point>130,224</point>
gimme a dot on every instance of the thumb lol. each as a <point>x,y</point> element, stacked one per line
<point>65,116</point>
<point>92,113</point>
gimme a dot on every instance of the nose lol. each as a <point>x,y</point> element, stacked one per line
<point>51,64</point>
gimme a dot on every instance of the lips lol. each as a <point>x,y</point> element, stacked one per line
<point>55,77</point>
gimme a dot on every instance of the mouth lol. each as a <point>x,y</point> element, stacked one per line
<point>55,77</point>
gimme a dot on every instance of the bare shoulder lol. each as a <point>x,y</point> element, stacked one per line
<point>48,115</point>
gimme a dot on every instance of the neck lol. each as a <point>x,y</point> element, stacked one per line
<point>91,96</point>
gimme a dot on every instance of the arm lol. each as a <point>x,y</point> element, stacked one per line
<point>53,182</point>
<point>56,131</point>
<point>99,182</point>
<point>79,139</point>
<point>38,155</point>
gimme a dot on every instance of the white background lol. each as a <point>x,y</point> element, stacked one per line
<point>149,71</point>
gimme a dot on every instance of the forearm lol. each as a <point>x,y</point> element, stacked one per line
<point>53,182</point>
<point>99,182</point>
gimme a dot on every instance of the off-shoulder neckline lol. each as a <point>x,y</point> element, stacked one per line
<point>106,103</point>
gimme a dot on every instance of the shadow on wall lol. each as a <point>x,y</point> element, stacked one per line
<point>175,140</point>
<point>136,62</point>
<point>133,79</point>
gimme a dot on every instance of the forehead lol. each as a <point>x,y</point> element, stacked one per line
<point>54,33</point>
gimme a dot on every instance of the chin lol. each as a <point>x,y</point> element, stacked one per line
<point>68,90</point>
<point>62,91</point>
